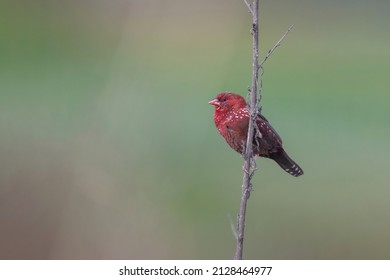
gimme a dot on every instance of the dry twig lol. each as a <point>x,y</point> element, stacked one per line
<point>249,166</point>
<point>274,47</point>
<point>249,7</point>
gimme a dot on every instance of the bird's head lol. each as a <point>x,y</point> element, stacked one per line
<point>225,102</point>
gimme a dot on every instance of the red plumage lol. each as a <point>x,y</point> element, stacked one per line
<point>231,117</point>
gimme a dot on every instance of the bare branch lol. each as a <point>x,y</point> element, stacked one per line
<point>249,166</point>
<point>265,59</point>
<point>274,47</point>
<point>249,7</point>
<point>255,93</point>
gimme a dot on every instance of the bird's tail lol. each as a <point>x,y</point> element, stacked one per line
<point>286,163</point>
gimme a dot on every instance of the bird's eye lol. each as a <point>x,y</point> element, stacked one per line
<point>223,99</point>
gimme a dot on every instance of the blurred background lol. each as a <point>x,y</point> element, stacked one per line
<point>108,148</point>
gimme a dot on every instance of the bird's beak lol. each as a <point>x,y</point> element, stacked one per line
<point>215,102</point>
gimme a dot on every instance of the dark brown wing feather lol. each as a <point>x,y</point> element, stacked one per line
<point>269,144</point>
<point>266,139</point>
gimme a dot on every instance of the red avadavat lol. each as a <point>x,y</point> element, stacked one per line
<point>231,117</point>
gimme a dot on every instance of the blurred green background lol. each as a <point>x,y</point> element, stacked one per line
<point>108,148</point>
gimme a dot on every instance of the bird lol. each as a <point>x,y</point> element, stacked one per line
<point>231,117</point>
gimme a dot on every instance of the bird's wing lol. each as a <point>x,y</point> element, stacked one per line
<point>267,132</point>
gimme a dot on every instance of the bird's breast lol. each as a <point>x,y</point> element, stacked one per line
<point>234,128</point>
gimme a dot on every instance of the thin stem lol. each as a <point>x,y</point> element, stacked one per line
<point>274,47</point>
<point>265,59</point>
<point>255,92</point>
<point>248,156</point>
<point>249,7</point>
